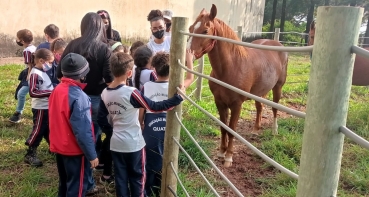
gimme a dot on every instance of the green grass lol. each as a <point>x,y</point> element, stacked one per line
<point>17,179</point>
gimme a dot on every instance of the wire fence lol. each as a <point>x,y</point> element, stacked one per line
<point>348,133</point>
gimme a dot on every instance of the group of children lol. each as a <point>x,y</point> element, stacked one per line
<point>132,114</point>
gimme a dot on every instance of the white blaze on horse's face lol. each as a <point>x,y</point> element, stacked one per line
<point>198,24</point>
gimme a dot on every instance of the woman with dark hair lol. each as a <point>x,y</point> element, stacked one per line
<point>110,33</point>
<point>161,42</point>
<point>93,46</point>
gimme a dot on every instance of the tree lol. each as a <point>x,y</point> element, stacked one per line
<point>326,2</point>
<point>283,17</point>
<point>273,15</point>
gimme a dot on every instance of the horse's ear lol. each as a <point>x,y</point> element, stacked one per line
<point>203,11</point>
<point>213,12</point>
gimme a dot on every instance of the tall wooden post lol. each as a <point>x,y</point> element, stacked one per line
<point>200,69</point>
<point>328,100</point>
<point>276,33</point>
<point>240,32</point>
<point>173,128</point>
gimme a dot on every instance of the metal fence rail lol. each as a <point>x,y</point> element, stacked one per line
<point>354,137</point>
<point>197,168</point>
<point>179,180</point>
<point>256,46</point>
<point>244,141</point>
<point>234,188</point>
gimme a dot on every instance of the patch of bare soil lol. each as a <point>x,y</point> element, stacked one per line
<point>247,168</point>
<point>11,60</point>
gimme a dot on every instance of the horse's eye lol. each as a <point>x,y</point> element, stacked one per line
<point>205,32</point>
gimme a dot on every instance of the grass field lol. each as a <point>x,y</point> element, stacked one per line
<point>18,179</point>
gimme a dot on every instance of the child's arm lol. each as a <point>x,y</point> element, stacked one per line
<point>189,63</point>
<point>141,115</point>
<point>138,100</point>
<point>80,121</point>
<point>102,119</point>
<point>153,76</point>
<point>34,91</point>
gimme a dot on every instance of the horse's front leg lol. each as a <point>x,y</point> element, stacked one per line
<point>235,115</point>
<point>223,113</point>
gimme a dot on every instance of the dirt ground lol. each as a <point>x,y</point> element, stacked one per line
<point>247,167</point>
<point>11,60</point>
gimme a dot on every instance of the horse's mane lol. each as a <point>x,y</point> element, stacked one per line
<point>229,33</point>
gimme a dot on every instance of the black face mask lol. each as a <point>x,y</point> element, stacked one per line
<point>19,43</point>
<point>168,25</point>
<point>159,34</point>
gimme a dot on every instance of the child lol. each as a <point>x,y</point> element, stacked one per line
<point>24,38</point>
<point>119,107</point>
<point>132,51</point>
<point>57,47</point>
<point>143,73</point>
<point>154,123</point>
<point>51,33</point>
<point>71,131</point>
<point>116,46</point>
<point>40,88</point>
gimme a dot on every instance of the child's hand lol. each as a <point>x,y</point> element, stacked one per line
<point>94,163</point>
<point>189,56</point>
<point>183,89</point>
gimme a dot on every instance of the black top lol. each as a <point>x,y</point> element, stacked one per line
<point>116,36</point>
<point>99,73</point>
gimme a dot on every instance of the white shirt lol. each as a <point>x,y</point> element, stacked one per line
<point>165,46</point>
<point>40,88</point>
<point>156,91</point>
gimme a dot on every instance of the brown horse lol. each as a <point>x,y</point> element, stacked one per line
<point>360,75</point>
<point>252,70</point>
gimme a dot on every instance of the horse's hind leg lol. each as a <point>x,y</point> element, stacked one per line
<point>235,115</point>
<point>277,92</point>
<point>259,110</point>
<point>223,113</point>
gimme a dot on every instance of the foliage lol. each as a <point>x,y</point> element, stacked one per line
<point>289,27</point>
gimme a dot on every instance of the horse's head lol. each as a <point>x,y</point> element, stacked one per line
<point>311,33</point>
<point>204,24</point>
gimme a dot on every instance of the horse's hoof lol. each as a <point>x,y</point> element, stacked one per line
<point>227,164</point>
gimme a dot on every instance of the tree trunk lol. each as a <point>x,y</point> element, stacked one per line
<point>309,18</point>
<point>326,2</point>
<point>283,18</point>
<point>272,22</point>
<point>366,39</point>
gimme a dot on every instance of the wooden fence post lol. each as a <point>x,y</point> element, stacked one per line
<point>173,128</point>
<point>328,100</point>
<point>200,69</point>
<point>277,33</point>
<point>240,32</point>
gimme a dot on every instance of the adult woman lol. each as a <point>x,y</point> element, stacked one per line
<point>160,41</point>
<point>93,46</point>
<point>110,33</point>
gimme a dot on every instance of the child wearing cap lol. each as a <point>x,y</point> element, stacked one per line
<point>119,112</point>
<point>71,130</point>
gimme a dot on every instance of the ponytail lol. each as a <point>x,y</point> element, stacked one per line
<point>33,59</point>
<point>138,77</point>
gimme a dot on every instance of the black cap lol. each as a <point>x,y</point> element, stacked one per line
<point>74,66</point>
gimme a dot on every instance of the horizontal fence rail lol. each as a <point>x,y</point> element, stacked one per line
<point>360,51</point>
<point>248,144</point>
<point>179,180</point>
<point>246,94</point>
<point>234,188</point>
<point>196,167</point>
<point>256,46</point>
<point>354,137</point>
<point>172,191</point>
